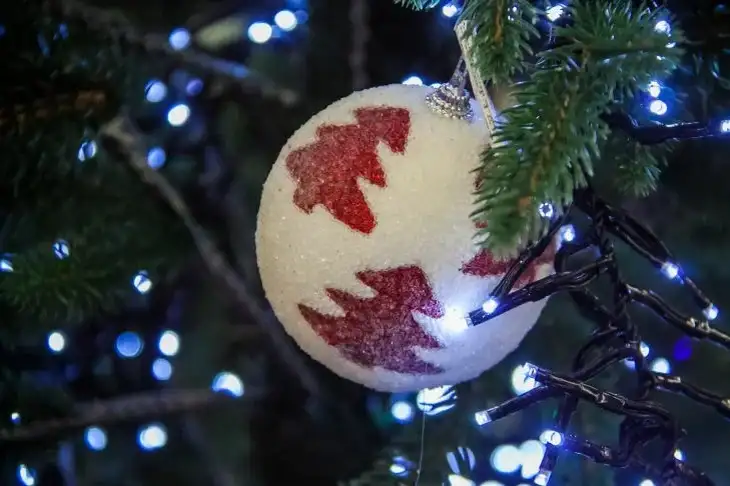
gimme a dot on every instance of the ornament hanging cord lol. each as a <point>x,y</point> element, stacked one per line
<point>616,338</point>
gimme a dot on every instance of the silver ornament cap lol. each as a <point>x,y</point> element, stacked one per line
<point>452,99</point>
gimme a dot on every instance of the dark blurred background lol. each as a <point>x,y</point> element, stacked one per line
<point>172,327</point>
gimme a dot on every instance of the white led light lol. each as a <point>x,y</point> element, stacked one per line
<point>506,459</point>
<point>567,233</point>
<point>433,401</point>
<point>482,418</point>
<point>142,282</point>
<point>260,32</point>
<point>711,312</point>
<point>661,365</point>
<point>654,89</point>
<point>658,107</point>
<point>56,342</point>
<point>490,305</point>
<point>413,81</point>
<point>670,269</point>
<point>546,210</point>
<point>402,411</point>
<point>555,12</point>
<point>542,478</point>
<point>663,27</point>
<point>178,115</point>
<point>449,10</point>
<point>286,20</point>
<point>523,379</point>
<point>552,437</point>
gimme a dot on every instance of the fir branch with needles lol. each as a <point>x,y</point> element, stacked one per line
<point>501,33</point>
<point>550,140</point>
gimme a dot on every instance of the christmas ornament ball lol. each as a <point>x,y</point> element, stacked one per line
<point>365,245</point>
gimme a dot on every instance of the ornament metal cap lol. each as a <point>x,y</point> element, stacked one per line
<point>452,99</point>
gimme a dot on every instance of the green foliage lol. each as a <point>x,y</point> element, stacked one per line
<point>551,139</point>
<point>502,30</point>
<point>636,167</point>
<point>63,81</point>
<point>418,4</point>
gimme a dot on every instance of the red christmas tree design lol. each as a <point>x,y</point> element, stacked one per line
<point>327,170</point>
<point>381,331</point>
<point>484,264</point>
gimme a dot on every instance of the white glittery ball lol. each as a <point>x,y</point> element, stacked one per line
<point>365,245</point>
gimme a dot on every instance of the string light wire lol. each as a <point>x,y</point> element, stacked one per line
<point>615,340</point>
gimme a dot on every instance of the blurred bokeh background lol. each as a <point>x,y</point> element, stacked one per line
<point>113,331</point>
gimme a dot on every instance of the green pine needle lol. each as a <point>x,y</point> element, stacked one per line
<point>637,167</point>
<point>418,4</point>
<point>502,31</point>
<point>548,146</point>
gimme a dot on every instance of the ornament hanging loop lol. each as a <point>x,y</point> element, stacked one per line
<point>452,99</point>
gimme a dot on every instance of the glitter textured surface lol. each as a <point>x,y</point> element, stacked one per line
<point>381,331</point>
<point>328,169</point>
<point>332,286</point>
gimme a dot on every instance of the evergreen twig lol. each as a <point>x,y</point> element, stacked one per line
<point>549,142</point>
<point>502,30</point>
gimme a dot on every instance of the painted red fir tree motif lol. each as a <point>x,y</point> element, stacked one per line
<point>327,170</point>
<point>381,331</point>
<point>485,264</point>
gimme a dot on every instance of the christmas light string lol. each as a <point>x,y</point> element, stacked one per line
<point>616,341</point>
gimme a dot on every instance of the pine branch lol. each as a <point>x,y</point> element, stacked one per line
<point>547,147</point>
<point>635,168</point>
<point>501,30</point>
<point>132,407</point>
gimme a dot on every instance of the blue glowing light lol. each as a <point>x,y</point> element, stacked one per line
<point>61,249</point>
<point>162,369</point>
<point>229,383</point>
<point>155,91</point>
<point>129,345</point>
<point>95,438</point>
<point>87,150</point>
<point>156,157</point>
<point>179,39</point>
